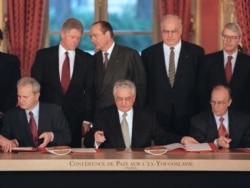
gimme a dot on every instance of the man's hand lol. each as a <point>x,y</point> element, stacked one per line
<point>188,140</point>
<point>85,128</point>
<point>47,138</point>
<point>8,145</point>
<point>99,137</point>
<point>223,142</point>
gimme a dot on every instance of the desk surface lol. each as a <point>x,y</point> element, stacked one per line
<point>110,160</point>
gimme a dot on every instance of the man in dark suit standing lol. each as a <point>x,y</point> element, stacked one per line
<point>121,63</point>
<point>226,128</point>
<point>50,123</point>
<point>172,70</point>
<point>76,99</point>
<point>9,75</point>
<point>217,69</point>
<point>125,126</point>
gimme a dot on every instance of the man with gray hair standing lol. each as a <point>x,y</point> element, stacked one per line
<point>172,70</point>
<point>228,67</point>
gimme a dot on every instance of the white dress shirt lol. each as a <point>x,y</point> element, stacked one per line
<point>166,49</point>
<point>233,60</point>
<point>62,55</point>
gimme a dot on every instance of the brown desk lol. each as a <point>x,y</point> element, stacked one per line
<point>111,160</point>
<point>109,166</point>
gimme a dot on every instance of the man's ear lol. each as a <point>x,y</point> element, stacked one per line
<point>229,102</point>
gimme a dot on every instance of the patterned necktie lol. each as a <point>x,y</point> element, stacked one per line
<point>65,77</point>
<point>222,130</point>
<point>171,71</point>
<point>33,129</point>
<point>106,60</point>
<point>228,69</point>
<point>125,131</point>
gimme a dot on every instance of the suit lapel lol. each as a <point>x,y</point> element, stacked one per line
<point>221,66</point>
<point>55,67</point>
<point>160,61</point>
<point>42,119</point>
<point>99,72</point>
<point>76,70</point>
<point>115,127</point>
<point>112,67</point>
<point>238,69</point>
<point>136,128</point>
<point>182,62</point>
<point>232,126</point>
<point>212,127</point>
<point>24,125</point>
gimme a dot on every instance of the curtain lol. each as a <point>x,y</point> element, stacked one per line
<point>242,9</point>
<point>182,8</point>
<point>25,29</point>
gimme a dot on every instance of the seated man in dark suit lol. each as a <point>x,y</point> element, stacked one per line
<point>9,75</point>
<point>49,126</point>
<point>136,130</point>
<point>225,127</point>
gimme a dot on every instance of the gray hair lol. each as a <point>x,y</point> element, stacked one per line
<point>233,27</point>
<point>172,16</point>
<point>29,80</point>
<point>124,84</point>
<point>72,23</point>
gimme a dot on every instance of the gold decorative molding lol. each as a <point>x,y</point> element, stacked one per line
<point>227,14</point>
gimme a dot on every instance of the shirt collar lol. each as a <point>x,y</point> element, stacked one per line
<point>224,116</point>
<point>35,110</point>
<point>177,47</point>
<point>129,113</point>
<point>234,55</point>
<point>62,51</point>
<point>109,51</point>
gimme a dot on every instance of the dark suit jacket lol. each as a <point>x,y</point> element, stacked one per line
<point>212,73</point>
<point>145,129</point>
<point>204,129</point>
<point>9,75</point>
<point>78,102</point>
<point>51,119</point>
<point>180,100</point>
<point>124,63</point>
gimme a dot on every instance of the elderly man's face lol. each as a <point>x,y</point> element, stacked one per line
<point>124,99</point>
<point>220,101</point>
<point>26,98</point>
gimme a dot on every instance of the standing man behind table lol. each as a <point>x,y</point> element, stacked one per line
<point>33,120</point>
<point>172,77</point>
<point>121,63</point>
<point>125,126</point>
<point>9,75</point>
<point>227,67</point>
<point>226,128</point>
<point>75,90</point>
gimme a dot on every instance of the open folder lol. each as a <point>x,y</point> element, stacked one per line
<point>159,150</point>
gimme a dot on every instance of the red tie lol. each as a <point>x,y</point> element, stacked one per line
<point>222,130</point>
<point>228,69</point>
<point>33,129</point>
<point>65,77</point>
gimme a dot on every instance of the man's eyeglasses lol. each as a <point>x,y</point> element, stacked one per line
<point>170,31</point>
<point>218,103</point>
<point>120,99</point>
<point>226,37</point>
